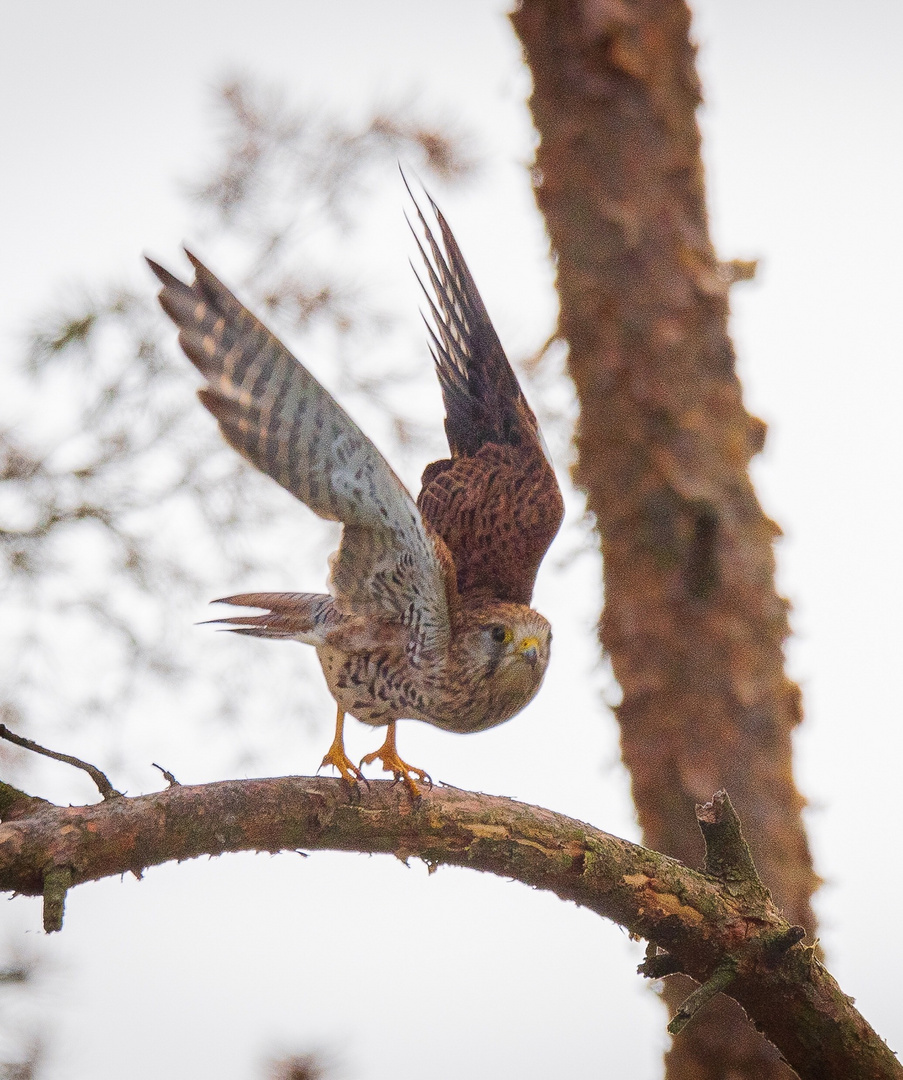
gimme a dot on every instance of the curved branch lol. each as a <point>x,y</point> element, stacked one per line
<point>703,922</point>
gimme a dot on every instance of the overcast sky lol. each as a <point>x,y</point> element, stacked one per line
<point>206,968</point>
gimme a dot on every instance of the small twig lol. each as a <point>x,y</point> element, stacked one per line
<point>735,270</point>
<point>104,786</point>
<point>167,775</point>
<point>702,995</point>
<point>727,855</point>
<point>56,884</point>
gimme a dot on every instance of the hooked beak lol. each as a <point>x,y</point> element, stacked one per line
<point>529,650</point>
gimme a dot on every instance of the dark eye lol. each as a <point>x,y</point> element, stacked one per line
<point>499,634</point>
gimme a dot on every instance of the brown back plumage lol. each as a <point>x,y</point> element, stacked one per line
<point>495,501</point>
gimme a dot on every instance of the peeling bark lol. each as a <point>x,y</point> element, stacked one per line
<point>693,624</point>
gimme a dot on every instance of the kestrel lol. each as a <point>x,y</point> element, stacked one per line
<point>428,613</point>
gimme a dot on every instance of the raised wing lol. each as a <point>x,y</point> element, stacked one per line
<point>275,413</point>
<point>496,501</point>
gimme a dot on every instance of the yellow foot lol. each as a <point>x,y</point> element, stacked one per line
<point>336,756</point>
<point>401,770</point>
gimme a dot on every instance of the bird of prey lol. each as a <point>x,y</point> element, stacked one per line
<point>428,613</point>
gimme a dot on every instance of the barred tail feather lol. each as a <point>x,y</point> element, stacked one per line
<point>305,617</point>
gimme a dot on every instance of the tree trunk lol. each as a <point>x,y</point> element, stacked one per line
<point>693,624</point>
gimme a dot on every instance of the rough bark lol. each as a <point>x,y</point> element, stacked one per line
<point>693,624</point>
<point>720,927</point>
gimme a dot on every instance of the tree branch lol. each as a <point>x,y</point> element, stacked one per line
<point>699,920</point>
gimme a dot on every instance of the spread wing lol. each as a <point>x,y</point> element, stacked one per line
<point>276,414</point>
<point>495,501</point>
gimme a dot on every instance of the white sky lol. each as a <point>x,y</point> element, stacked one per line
<point>209,967</point>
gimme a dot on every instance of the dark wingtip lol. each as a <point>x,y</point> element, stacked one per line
<point>161,273</point>
<point>194,260</point>
<point>413,197</point>
<point>406,182</point>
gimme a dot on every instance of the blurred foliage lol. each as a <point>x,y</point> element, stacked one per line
<point>300,1067</point>
<point>21,1046</point>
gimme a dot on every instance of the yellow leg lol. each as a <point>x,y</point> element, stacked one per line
<point>336,755</point>
<point>391,762</point>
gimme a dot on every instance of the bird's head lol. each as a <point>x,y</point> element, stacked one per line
<point>506,651</point>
